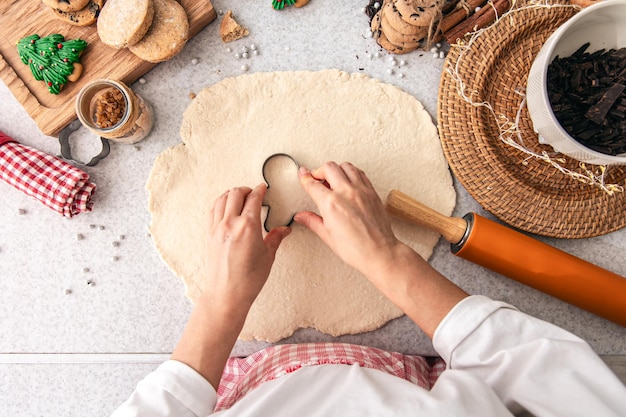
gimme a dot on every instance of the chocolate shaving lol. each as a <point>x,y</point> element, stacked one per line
<point>597,113</point>
<point>587,92</point>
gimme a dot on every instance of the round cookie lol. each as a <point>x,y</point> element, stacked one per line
<point>400,25</point>
<point>396,49</point>
<point>167,35</point>
<point>124,22</point>
<point>398,38</point>
<point>417,12</point>
<point>84,17</point>
<point>382,40</point>
<point>66,5</point>
<point>375,25</point>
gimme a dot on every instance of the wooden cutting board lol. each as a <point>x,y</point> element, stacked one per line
<point>21,18</point>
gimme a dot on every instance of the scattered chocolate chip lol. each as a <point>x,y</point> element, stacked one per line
<point>371,10</point>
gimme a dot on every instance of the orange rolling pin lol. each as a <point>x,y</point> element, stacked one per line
<point>521,258</point>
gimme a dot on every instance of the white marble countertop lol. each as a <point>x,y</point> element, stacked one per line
<point>81,353</point>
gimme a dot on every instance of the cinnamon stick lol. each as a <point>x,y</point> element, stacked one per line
<point>448,6</point>
<point>484,17</point>
<point>455,17</point>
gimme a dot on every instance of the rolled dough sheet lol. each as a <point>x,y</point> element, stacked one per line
<point>229,130</point>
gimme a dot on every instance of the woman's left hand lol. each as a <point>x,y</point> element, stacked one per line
<point>240,259</point>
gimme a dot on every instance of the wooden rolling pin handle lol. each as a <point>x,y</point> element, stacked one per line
<point>406,208</point>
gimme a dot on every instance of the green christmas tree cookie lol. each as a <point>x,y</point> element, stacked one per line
<point>280,4</point>
<point>52,59</point>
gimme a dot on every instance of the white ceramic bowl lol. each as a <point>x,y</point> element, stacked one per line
<point>603,25</point>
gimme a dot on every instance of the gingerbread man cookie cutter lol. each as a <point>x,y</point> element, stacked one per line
<point>278,167</point>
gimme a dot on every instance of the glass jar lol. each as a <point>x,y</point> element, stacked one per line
<point>110,109</point>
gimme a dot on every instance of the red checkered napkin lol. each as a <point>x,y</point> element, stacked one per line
<point>242,375</point>
<point>57,184</point>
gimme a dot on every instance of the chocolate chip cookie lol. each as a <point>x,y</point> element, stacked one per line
<point>66,5</point>
<point>84,17</point>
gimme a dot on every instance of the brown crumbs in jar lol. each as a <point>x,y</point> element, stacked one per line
<point>110,108</point>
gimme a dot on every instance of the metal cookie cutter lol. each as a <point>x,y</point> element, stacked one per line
<point>269,167</point>
<point>66,149</point>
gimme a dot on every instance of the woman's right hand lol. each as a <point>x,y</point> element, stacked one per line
<point>352,220</point>
<point>354,224</point>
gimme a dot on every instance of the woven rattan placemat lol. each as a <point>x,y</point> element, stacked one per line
<point>529,194</point>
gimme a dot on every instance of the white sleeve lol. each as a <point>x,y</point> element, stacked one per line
<point>530,364</point>
<point>173,389</point>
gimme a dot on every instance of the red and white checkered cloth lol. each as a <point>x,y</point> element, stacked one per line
<point>57,184</point>
<point>242,375</point>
